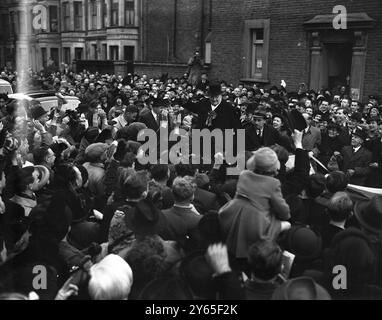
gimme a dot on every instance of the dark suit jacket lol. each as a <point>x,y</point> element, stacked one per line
<point>327,234</point>
<point>227,117</point>
<point>181,222</point>
<point>374,178</point>
<point>358,161</point>
<point>149,120</point>
<point>345,136</point>
<point>253,142</point>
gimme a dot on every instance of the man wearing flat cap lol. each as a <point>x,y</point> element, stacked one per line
<point>356,158</point>
<point>258,134</point>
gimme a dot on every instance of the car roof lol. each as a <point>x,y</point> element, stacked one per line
<point>39,94</point>
<point>20,96</point>
<point>2,81</point>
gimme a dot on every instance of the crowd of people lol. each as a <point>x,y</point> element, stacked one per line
<point>78,202</point>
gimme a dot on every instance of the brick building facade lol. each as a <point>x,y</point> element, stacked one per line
<point>75,29</point>
<point>156,34</point>
<point>266,41</point>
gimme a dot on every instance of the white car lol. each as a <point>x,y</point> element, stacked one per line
<point>5,87</point>
<point>47,99</point>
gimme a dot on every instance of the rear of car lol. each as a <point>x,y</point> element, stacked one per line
<point>47,99</point>
<point>5,87</point>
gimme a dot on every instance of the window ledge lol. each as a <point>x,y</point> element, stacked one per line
<point>254,80</point>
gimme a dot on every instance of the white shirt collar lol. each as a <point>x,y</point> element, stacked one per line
<point>214,107</point>
<point>190,206</point>
<point>154,115</point>
<point>356,149</point>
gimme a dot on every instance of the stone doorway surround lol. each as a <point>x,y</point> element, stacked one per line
<point>320,31</point>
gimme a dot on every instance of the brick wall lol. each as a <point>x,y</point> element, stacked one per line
<point>289,47</point>
<point>189,26</point>
<point>159,29</point>
<point>159,16</point>
<point>155,70</point>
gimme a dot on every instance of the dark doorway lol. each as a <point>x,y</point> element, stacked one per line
<point>78,53</point>
<point>54,55</point>
<point>128,53</point>
<point>339,60</point>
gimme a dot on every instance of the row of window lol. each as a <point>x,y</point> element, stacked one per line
<point>15,22</point>
<point>129,16</point>
<point>100,53</point>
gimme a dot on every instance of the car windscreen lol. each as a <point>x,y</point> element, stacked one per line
<point>7,89</point>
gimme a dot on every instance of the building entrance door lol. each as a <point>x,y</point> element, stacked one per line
<point>338,64</point>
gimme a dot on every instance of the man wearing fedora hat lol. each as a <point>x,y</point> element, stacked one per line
<point>356,159</point>
<point>258,134</point>
<point>153,119</point>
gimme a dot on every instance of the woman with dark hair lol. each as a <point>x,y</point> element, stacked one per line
<point>279,123</point>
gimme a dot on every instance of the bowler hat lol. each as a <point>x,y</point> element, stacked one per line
<point>360,133</point>
<point>304,242</point>
<point>369,214</point>
<point>145,218</point>
<point>252,107</point>
<point>260,114</point>
<point>83,234</point>
<point>158,103</point>
<point>37,112</point>
<point>91,134</point>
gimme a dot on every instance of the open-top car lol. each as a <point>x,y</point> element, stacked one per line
<point>47,99</point>
<point>5,87</point>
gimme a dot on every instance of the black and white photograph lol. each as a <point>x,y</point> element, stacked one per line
<point>212,151</point>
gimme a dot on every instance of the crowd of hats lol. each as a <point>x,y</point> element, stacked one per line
<point>192,276</point>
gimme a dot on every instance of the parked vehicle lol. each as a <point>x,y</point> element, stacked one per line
<point>47,99</point>
<point>5,87</point>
